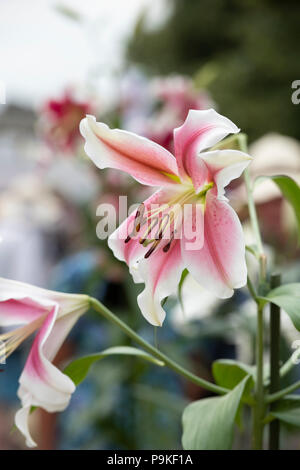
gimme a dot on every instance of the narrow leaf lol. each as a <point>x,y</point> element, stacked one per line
<point>78,369</point>
<point>183,276</point>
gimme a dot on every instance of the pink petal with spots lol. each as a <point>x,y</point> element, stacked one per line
<point>133,250</point>
<point>193,227</point>
<point>161,273</point>
<point>220,265</point>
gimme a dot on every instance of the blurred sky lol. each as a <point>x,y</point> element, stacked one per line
<point>42,50</point>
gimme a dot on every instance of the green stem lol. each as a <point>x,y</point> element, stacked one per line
<point>106,313</point>
<point>274,427</point>
<point>253,213</point>
<point>258,411</point>
<point>259,408</point>
<point>277,395</point>
<point>289,364</point>
<point>251,289</point>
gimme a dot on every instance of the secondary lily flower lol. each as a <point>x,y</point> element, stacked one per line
<point>60,121</point>
<point>51,315</point>
<point>176,95</point>
<point>192,178</point>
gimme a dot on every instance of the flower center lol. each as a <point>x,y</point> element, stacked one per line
<point>162,222</point>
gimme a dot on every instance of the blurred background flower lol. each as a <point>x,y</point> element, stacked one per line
<point>60,121</point>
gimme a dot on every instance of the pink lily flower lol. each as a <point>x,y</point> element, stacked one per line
<point>194,178</point>
<point>51,315</point>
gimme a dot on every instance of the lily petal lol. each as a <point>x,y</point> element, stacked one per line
<point>21,303</point>
<point>53,314</point>
<point>16,311</point>
<point>220,265</point>
<point>225,166</point>
<point>21,421</point>
<point>41,383</point>
<point>201,130</point>
<point>133,250</point>
<point>161,273</point>
<point>146,161</point>
<point>193,227</point>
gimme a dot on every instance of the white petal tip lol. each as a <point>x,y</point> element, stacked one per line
<point>21,422</point>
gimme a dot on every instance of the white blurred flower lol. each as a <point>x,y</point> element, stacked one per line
<point>273,154</point>
<point>198,303</point>
<point>28,198</point>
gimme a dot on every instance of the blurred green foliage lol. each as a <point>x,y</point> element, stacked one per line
<point>247,51</point>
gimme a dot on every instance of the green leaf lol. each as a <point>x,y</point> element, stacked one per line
<point>68,12</point>
<point>288,410</point>
<point>77,370</point>
<point>208,424</point>
<point>229,373</point>
<point>290,190</point>
<point>288,298</point>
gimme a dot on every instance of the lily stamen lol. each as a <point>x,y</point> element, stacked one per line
<point>11,340</point>
<point>168,245</point>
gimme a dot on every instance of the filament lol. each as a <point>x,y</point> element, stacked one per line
<point>11,340</point>
<point>165,215</point>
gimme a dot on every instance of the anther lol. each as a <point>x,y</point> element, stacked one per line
<point>163,225</point>
<point>168,245</point>
<point>137,222</point>
<point>140,211</point>
<point>153,247</point>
